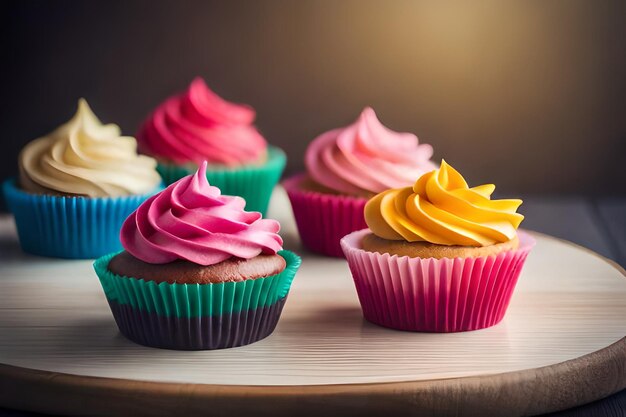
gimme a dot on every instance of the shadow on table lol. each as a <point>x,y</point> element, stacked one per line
<point>10,248</point>
<point>84,338</point>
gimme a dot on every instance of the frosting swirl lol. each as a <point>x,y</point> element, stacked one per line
<point>198,125</point>
<point>441,208</point>
<point>190,220</point>
<point>84,157</point>
<point>366,157</point>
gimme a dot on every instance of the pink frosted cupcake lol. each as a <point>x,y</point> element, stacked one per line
<point>197,125</point>
<point>438,256</point>
<point>197,270</point>
<point>345,167</point>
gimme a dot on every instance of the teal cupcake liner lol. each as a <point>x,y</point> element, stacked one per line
<point>196,316</point>
<point>68,227</point>
<point>254,183</point>
<point>196,300</point>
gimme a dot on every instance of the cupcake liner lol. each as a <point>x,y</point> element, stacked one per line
<point>434,295</point>
<point>196,316</point>
<point>69,227</point>
<point>254,183</point>
<point>323,219</point>
<point>196,333</point>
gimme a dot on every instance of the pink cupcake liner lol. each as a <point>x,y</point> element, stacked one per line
<point>323,219</point>
<point>434,295</point>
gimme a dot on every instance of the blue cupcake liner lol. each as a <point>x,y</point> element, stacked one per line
<point>69,227</point>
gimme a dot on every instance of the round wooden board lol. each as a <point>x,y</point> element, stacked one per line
<point>561,344</point>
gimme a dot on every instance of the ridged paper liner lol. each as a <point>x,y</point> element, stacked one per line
<point>434,295</point>
<point>196,316</point>
<point>254,183</point>
<point>196,333</point>
<point>323,219</point>
<point>69,227</point>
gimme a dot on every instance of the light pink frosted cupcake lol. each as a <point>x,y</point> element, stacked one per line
<point>438,256</point>
<point>345,167</point>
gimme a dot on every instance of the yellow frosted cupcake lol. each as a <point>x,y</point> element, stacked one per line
<point>438,256</point>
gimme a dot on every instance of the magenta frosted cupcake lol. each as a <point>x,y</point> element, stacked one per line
<point>197,125</point>
<point>439,256</point>
<point>197,270</point>
<point>345,167</point>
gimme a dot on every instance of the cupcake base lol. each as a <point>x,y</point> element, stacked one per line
<point>196,333</point>
<point>323,219</point>
<point>373,243</point>
<point>434,295</point>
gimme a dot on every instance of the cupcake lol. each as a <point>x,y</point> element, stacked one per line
<point>197,272</point>
<point>439,256</point>
<point>76,186</point>
<point>196,126</point>
<point>345,167</point>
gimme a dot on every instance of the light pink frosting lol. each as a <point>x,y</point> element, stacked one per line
<point>366,157</point>
<point>191,220</point>
<point>198,125</point>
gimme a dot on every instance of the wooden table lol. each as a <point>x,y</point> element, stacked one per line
<point>562,343</point>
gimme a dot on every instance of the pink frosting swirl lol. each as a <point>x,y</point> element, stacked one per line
<point>191,220</point>
<point>198,125</point>
<point>366,157</point>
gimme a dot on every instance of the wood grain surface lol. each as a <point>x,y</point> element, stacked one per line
<point>562,344</point>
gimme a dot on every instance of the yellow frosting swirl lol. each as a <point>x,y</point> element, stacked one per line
<point>84,157</point>
<point>442,209</point>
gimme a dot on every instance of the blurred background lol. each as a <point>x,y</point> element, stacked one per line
<point>530,95</point>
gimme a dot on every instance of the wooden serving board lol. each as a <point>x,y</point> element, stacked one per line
<point>561,344</point>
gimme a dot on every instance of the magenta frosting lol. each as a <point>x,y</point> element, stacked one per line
<point>198,125</point>
<point>366,157</point>
<point>191,220</point>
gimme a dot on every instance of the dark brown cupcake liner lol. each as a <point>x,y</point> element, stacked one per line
<point>196,333</point>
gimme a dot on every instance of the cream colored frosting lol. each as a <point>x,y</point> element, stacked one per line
<point>88,158</point>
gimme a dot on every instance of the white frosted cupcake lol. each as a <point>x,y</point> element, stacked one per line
<point>76,186</point>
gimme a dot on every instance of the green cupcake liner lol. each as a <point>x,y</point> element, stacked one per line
<point>196,300</point>
<point>254,183</point>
